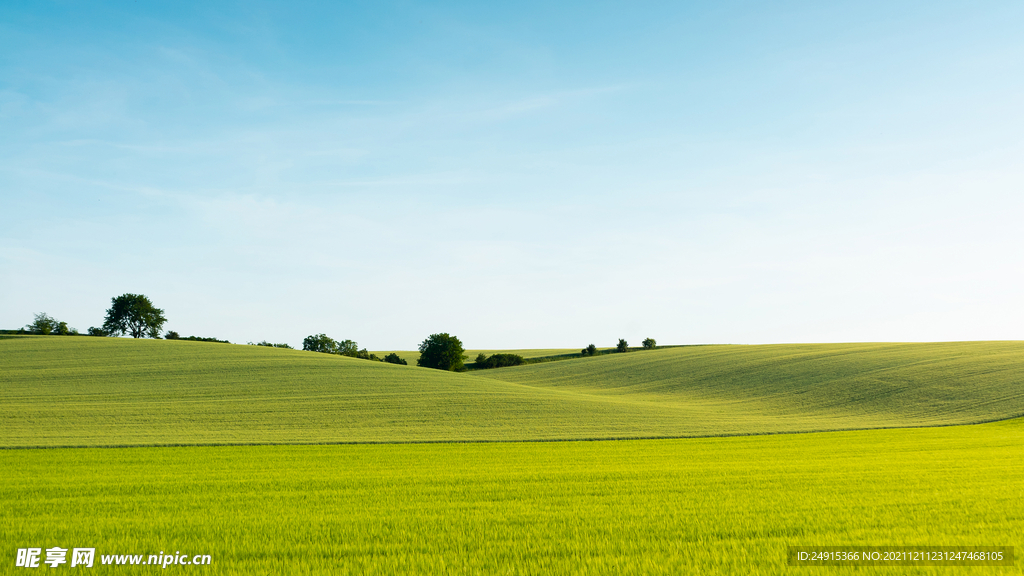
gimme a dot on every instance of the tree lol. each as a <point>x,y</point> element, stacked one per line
<point>622,346</point>
<point>172,335</point>
<point>44,324</point>
<point>394,359</point>
<point>320,343</point>
<point>348,348</point>
<point>134,315</point>
<point>441,351</point>
<point>589,350</point>
<point>650,344</point>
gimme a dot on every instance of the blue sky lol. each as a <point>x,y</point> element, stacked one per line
<point>518,174</point>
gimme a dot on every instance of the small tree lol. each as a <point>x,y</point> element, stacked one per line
<point>649,344</point>
<point>622,346</point>
<point>94,331</point>
<point>441,351</point>
<point>590,350</point>
<point>44,324</point>
<point>481,358</point>
<point>394,359</point>
<point>172,335</point>
<point>135,315</point>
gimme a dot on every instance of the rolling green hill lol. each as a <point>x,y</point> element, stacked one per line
<point>66,391</point>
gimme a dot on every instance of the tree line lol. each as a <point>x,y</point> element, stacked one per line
<point>135,315</point>
<point>327,345</point>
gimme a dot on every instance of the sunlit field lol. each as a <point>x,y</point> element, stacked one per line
<point>80,391</point>
<point>691,506</point>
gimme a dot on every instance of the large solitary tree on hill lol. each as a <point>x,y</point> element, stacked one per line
<point>134,315</point>
<point>441,351</point>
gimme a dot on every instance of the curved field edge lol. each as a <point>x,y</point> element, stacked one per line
<point>709,506</point>
<point>61,391</point>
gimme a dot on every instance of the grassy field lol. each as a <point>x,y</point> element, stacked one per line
<point>707,506</point>
<point>61,391</point>
<point>721,505</point>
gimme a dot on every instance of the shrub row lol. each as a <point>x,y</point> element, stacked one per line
<point>327,345</point>
<point>497,360</point>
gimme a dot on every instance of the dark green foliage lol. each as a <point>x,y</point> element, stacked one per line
<point>94,331</point>
<point>134,315</point>
<point>589,351</point>
<point>265,343</point>
<point>46,324</point>
<point>328,345</point>
<point>622,346</point>
<point>394,359</point>
<point>365,355</point>
<point>481,358</point>
<point>441,351</point>
<point>499,361</point>
<point>320,343</point>
<point>650,344</point>
<point>348,348</point>
<point>172,335</point>
<point>201,339</point>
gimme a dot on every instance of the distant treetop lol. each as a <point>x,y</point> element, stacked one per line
<point>443,352</point>
<point>134,315</point>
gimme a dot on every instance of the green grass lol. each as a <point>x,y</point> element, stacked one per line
<point>62,391</point>
<point>694,506</point>
<point>874,384</point>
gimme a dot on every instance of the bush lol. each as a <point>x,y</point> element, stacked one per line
<point>650,344</point>
<point>481,358</point>
<point>365,355</point>
<point>589,351</point>
<point>202,339</point>
<point>499,361</point>
<point>265,343</point>
<point>442,352</point>
<point>172,335</point>
<point>622,346</point>
<point>94,331</point>
<point>394,359</point>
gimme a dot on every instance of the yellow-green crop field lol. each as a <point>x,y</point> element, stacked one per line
<point>117,445</point>
<point>691,506</point>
